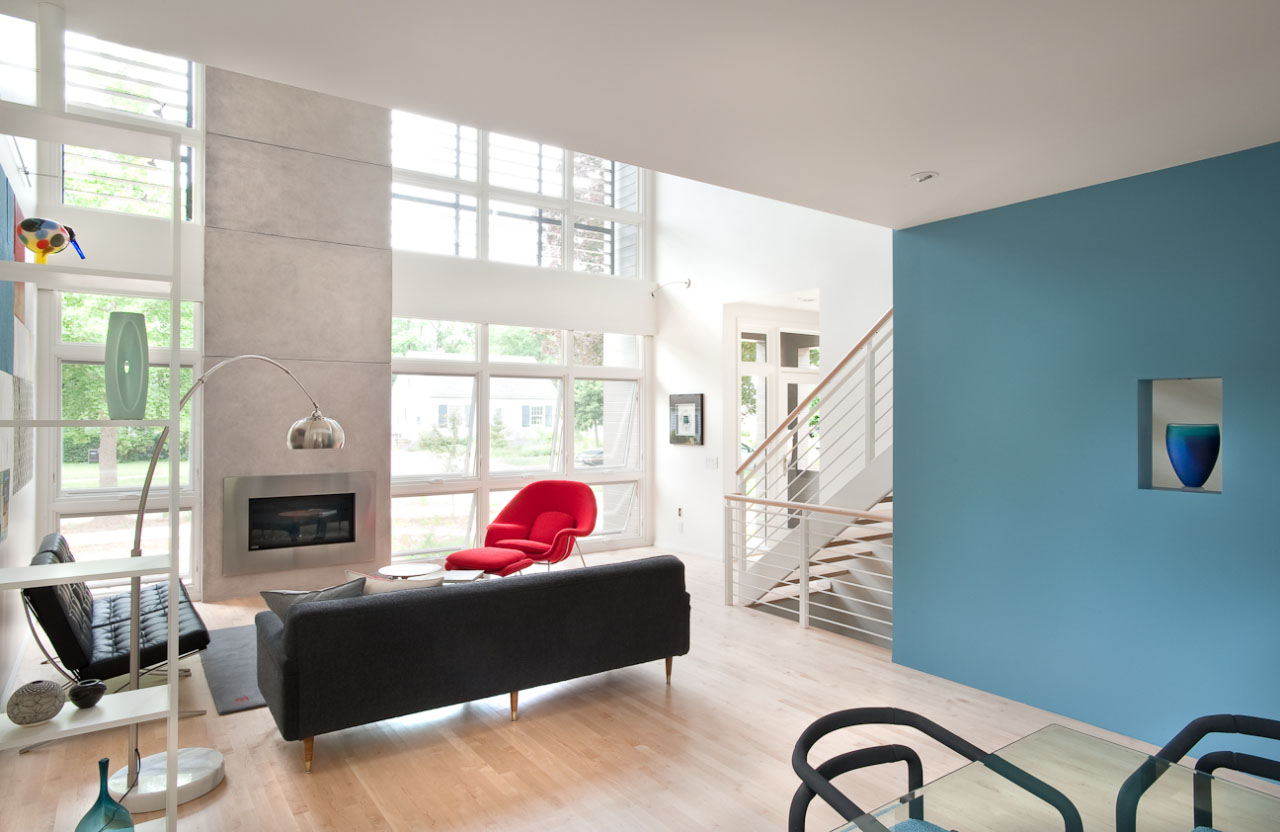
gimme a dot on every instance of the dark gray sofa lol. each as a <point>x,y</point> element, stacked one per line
<point>337,664</point>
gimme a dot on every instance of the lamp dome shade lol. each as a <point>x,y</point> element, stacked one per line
<point>316,432</point>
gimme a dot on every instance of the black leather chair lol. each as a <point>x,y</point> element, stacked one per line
<point>91,635</point>
<point>817,781</point>
<point>1178,747</point>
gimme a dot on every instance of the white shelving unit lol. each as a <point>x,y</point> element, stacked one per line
<point>21,577</point>
<point>126,708</point>
<point>123,708</point>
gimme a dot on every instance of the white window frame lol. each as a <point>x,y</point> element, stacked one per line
<point>53,504</point>
<point>50,187</point>
<point>571,209</point>
<point>481,482</point>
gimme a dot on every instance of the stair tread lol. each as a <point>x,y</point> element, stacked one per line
<point>861,534</point>
<point>792,590</point>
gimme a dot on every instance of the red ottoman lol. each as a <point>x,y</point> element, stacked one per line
<point>492,559</point>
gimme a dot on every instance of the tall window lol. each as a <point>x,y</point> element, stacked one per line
<point>123,83</point>
<point>478,410</point>
<point>98,471</point>
<point>472,193</point>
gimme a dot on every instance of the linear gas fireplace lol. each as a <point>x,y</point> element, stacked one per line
<point>270,524</point>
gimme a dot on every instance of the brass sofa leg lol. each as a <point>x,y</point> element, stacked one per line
<point>308,748</point>
<point>669,660</point>
<point>515,702</point>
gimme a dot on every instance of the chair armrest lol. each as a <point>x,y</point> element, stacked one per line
<point>564,538</point>
<point>271,638</point>
<point>503,531</point>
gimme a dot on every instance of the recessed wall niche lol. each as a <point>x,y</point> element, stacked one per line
<point>1177,401</point>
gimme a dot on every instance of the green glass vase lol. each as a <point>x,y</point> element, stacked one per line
<point>106,813</point>
<point>126,365</point>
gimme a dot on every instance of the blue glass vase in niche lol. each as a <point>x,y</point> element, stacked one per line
<point>106,813</point>
<point>1193,450</point>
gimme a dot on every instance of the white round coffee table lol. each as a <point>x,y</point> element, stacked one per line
<point>409,570</point>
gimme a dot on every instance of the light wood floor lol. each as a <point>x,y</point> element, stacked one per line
<point>619,750</point>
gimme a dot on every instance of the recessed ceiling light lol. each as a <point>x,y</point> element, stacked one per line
<point>807,300</point>
<point>924,176</point>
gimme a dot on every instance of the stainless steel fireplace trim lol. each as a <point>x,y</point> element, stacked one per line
<point>237,559</point>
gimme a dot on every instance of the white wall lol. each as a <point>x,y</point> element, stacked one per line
<point>736,248</point>
<point>461,289</point>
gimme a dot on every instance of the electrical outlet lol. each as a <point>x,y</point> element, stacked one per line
<point>713,462</point>
<point>679,512</point>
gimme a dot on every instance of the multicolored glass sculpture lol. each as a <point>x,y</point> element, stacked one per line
<point>46,237</point>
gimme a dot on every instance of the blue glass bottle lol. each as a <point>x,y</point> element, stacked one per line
<point>106,813</point>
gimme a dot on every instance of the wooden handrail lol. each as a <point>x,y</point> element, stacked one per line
<point>810,507</point>
<point>816,390</point>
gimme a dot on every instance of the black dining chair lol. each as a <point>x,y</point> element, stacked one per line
<point>817,781</point>
<point>1202,789</point>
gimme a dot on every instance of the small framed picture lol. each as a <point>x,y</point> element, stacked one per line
<point>686,419</point>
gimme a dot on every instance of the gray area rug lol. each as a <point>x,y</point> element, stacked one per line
<point>231,669</point>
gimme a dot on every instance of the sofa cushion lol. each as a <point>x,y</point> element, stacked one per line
<point>549,524</point>
<point>375,584</point>
<point>280,601</point>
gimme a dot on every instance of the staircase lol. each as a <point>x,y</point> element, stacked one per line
<point>809,533</point>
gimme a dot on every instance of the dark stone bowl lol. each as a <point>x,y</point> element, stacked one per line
<point>87,692</point>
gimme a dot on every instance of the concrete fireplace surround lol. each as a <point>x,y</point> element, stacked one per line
<point>298,268</point>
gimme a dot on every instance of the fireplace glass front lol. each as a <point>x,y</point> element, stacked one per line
<point>305,520</point>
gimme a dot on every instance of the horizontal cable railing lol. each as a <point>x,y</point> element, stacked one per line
<point>818,565</point>
<point>834,433</point>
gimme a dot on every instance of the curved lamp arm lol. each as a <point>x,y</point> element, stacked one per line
<point>135,585</point>
<point>164,434</point>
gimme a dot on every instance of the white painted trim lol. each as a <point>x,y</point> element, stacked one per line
<point>481,481</point>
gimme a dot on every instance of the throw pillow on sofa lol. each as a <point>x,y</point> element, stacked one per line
<point>280,601</point>
<point>374,585</point>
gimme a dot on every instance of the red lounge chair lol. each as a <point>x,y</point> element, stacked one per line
<point>541,524</point>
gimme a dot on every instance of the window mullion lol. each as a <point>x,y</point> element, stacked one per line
<point>435,181</point>
<point>482,205</point>
<point>482,438</point>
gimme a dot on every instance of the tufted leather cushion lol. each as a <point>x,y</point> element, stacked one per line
<point>64,611</point>
<point>91,635</point>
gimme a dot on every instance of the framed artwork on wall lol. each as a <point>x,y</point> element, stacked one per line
<point>686,419</point>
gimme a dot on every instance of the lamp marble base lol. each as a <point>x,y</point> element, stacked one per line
<point>200,770</point>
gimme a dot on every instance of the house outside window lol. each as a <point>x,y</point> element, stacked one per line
<point>555,404</point>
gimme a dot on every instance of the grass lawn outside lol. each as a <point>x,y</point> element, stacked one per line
<point>128,474</point>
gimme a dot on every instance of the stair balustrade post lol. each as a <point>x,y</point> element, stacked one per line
<point>805,552</point>
<point>728,554</point>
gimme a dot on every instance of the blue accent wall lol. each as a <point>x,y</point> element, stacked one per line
<point>1027,561</point>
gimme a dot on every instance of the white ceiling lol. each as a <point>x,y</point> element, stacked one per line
<point>830,104</point>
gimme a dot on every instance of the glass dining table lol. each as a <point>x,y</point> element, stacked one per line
<point>1094,775</point>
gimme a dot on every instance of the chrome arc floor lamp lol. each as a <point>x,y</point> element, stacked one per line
<point>200,770</point>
